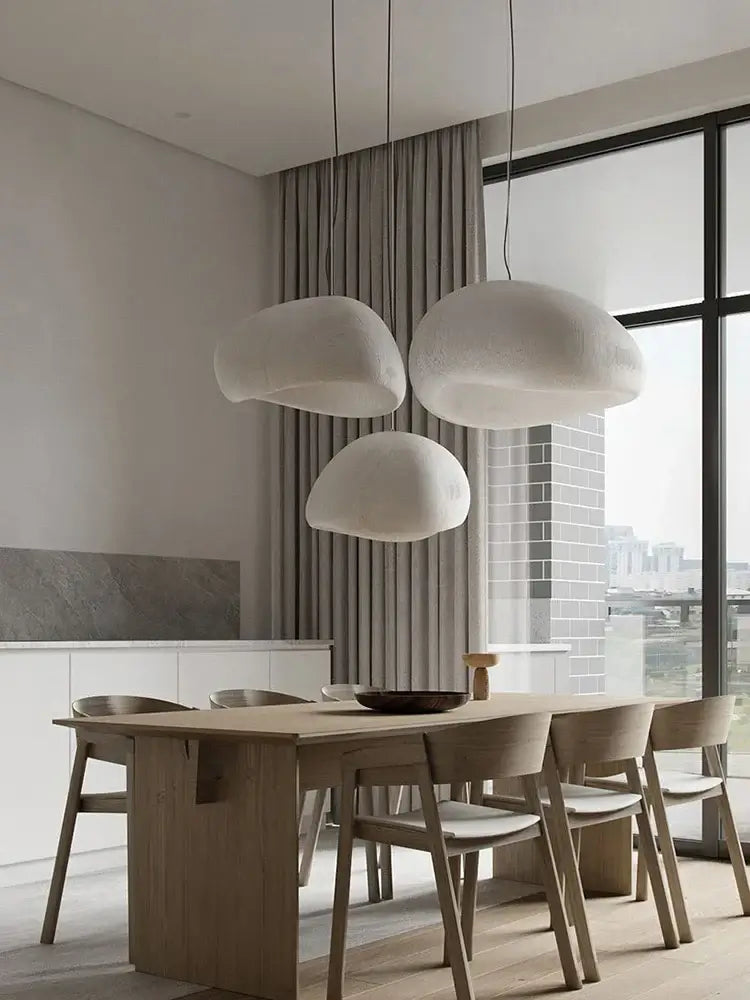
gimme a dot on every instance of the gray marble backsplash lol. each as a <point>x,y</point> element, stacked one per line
<point>50,595</point>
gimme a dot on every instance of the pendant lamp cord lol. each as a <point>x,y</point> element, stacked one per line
<point>511,123</point>
<point>332,195</point>
<point>390,189</point>
<point>390,614</point>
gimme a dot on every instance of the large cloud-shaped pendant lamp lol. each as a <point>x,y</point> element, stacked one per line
<point>329,354</point>
<point>391,486</point>
<point>514,354</point>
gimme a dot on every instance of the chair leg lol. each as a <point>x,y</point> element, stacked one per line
<point>65,842</point>
<point>393,797</point>
<point>567,897</point>
<point>448,906</point>
<point>641,878</point>
<point>386,852</point>
<point>454,866</point>
<point>577,775</point>
<point>731,836</point>
<point>313,834</point>
<point>469,901</point>
<point>651,859</point>
<point>471,880</point>
<point>301,800</point>
<point>340,916</point>
<point>371,849</point>
<point>666,844</point>
<point>567,866</point>
<point>131,835</point>
<point>553,890</point>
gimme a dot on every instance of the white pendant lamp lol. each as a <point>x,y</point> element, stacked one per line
<point>511,353</point>
<point>328,354</point>
<point>515,354</point>
<point>391,486</point>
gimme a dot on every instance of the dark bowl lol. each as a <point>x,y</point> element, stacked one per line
<point>412,702</point>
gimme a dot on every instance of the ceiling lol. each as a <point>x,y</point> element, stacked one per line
<point>248,82</point>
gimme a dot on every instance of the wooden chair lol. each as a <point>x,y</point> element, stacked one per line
<point>114,750</point>
<point>474,752</point>
<point>579,740</point>
<point>252,698</point>
<point>379,872</point>
<point>342,692</point>
<point>704,723</point>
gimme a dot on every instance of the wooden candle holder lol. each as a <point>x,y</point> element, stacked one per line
<point>480,663</point>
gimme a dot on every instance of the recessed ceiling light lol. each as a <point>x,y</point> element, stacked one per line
<point>182,114</point>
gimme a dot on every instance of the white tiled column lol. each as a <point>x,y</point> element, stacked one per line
<point>547,553</point>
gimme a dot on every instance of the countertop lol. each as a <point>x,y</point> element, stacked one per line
<point>528,647</point>
<point>239,645</point>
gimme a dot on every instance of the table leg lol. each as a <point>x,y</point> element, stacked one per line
<point>606,855</point>
<point>213,862</point>
<point>607,858</point>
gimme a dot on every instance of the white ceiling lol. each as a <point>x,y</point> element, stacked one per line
<point>254,75</point>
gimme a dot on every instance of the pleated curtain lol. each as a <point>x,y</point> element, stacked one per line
<point>400,615</point>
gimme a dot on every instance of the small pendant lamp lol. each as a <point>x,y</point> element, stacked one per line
<point>390,486</point>
<point>501,354</point>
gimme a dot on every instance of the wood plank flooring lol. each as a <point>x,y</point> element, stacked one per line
<point>515,955</point>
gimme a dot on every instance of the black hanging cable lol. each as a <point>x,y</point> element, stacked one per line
<point>390,186</point>
<point>333,81</point>
<point>390,611</point>
<point>511,123</point>
<point>332,195</point>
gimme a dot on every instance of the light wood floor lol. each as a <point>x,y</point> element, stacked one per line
<point>515,956</point>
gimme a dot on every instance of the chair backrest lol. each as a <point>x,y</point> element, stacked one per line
<point>122,704</point>
<point>343,692</point>
<point>471,752</point>
<point>601,735</point>
<point>701,723</point>
<point>493,748</point>
<point>252,698</point>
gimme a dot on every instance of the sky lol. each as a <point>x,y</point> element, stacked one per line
<point>652,445</point>
<point>626,231</point>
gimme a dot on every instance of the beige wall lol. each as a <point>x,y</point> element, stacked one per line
<point>671,94</point>
<point>121,260</point>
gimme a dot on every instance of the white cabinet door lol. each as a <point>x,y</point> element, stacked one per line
<point>301,671</point>
<point>34,758</point>
<point>150,673</point>
<point>204,671</point>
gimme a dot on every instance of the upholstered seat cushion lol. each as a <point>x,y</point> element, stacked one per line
<point>462,821</point>
<point>684,783</point>
<point>673,783</point>
<point>585,801</point>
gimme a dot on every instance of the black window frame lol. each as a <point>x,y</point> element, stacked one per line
<point>711,311</point>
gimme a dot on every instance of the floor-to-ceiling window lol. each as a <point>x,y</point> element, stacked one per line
<point>624,538</point>
<point>737,329</point>
<point>735,284</point>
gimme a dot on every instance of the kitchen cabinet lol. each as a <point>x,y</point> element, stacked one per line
<point>151,673</point>
<point>38,681</point>
<point>202,671</point>
<point>34,760</point>
<point>302,672</point>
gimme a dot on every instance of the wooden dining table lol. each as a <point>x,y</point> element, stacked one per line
<point>213,827</point>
